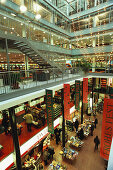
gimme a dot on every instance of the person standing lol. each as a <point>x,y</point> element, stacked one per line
<point>97,142</point>
<point>96,122</point>
<point>28,118</point>
<point>57,135</point>
<point>5,122</point>
<point>92,129</point>
<point>76,124</point>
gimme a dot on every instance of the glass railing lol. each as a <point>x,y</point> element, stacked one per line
<point>12,81</point>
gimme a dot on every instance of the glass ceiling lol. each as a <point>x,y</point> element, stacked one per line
<point>69,6</point>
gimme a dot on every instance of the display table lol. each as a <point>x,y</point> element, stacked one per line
<point>32,162</point>
<point>69,153</point>
<point>75,141</point>
<point>56,166</point>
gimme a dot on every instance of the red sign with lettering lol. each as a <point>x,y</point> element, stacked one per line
<point>67,101</point>
<point>107,128</point>
<point>85,90</point>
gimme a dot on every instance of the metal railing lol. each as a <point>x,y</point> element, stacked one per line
<point>11,81</point>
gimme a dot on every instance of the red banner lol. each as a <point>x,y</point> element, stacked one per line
<point>107,128</point>
<point>85,90</point>
<point>67,101</point>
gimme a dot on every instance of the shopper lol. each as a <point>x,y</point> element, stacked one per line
<point>57,135</point>
<point>28,118</point>
<point>5,122</point>
<point>96,122</point>
<point>92,129</point>
<point>97,142</point>
<point>81,134</point>
<point>76,124</point>
<point>45,156</point>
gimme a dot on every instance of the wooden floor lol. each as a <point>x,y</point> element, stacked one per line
<point>87,159</point>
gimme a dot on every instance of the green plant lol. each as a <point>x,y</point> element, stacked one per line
<point>84,65</point>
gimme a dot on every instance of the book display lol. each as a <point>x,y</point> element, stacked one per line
<point>69,153</point>
<point>75,141</point>
<point>69,125</point>
<point>31,162</point>
<point>56,109</point>
<point>56,166</point>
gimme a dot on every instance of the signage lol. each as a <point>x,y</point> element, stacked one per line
<point>85,90</point>
<point>107,128</point>
<point>49,110</point>
<point>77,95</point>
<point>67,101</point>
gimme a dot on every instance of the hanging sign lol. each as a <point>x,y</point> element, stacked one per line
<point>85,90</point>
<point>67,101</point>
<point>49,110</point>
<point>107,128</point>
<point>77,95</point>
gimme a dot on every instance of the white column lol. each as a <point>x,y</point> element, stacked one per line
<point>52,18</point>
<point>26,66</point>
<point>52,40</point>
<point>23,31</point>
<point>95,21</point>
<point>93,64</point>
<point>95,3</point>
<point>68,9</point>
<point>86,4</point>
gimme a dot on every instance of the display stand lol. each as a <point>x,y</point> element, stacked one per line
<point>56,166</point>
<point>76,142</point>
<point>69,153</point>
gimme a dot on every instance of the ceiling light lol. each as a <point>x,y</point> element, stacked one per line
<point>4,17</point>
<point>23,8</point>
<point>3,1</point>
<point>38,16</point>
<point>13,14</point>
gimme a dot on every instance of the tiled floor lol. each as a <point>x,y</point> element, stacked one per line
<point>87,159</point>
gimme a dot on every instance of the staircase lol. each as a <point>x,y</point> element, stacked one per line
<point>38,57</point>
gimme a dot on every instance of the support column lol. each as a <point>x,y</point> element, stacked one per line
<point>24,31</point>
<point>63,120</point>
<point>92,91</point>
<point>17,157</point>
<point>53,18</point>
<point>95,20</point>
<point>52,40</point>
<point>95,3</point>
<point>8,63</point>
<point>93,64</point>
<point>86,4</point>
<point>26,66</point>
<point>82,107</point>
<point>68,9</point>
